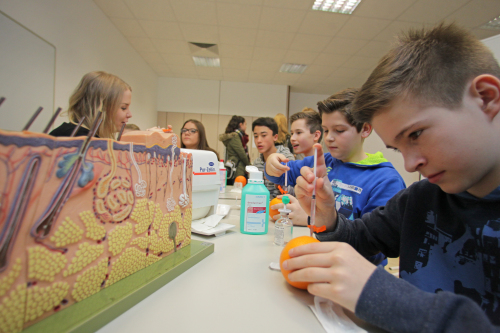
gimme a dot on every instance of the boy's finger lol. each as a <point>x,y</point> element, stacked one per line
<point>276,217</point>
<point>277,206</point>
<point>311,274</point>
<point>307,173</point>
<point>304,187</point>
<point>313,248</point>
<point>321,166</point>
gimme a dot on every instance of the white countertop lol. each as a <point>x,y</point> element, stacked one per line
<point>232,290</point>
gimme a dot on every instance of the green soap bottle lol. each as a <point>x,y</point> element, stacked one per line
<point>254,214</point>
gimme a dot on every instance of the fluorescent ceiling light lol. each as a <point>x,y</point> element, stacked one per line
<point>206,61</point>
<point>293,68</point>
<point>336,6</point>
<point>493,24</point>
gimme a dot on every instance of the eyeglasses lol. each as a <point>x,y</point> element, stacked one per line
<point>190,130</point>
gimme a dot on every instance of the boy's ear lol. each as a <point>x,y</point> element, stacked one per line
<point>366,130</point>
<point>487,88</point>
<point>317,135</point>
<point>275,137</point>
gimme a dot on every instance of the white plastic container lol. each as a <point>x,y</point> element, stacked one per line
<point>222,174</point>
<point>254,214</point>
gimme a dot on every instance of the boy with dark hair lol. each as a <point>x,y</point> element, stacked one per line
<point>361,181</point>
<point>306,130</point>
<point>265,134</point>
<point>435,98</point>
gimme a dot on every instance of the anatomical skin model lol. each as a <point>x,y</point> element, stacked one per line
<point>77,214</point>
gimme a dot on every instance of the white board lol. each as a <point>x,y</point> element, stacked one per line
<point>27,74</point>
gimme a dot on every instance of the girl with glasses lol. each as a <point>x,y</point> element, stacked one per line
<point>193,136</point>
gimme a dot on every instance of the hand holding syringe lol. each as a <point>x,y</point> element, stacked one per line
<point>315,184</point>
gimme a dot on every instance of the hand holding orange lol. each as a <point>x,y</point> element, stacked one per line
<point>298,241</point>
<point>273,212</point>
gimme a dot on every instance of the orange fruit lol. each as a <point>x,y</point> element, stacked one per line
<point>298,241</point>
<point>273,212</point>
<point>241,179</point>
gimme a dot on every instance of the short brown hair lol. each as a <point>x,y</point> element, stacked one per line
<point>341,102</point>
<point>432,67</point>
<point>312,119</point>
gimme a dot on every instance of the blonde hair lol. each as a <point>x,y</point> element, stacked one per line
<point>429,66</point>
<point>97,91</point>
<point>282,128</point>
<point>132,127</point>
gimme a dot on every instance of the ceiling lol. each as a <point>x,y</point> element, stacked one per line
<point>255,37</point>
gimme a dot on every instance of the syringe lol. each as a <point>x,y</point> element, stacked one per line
<point>286,179</point>
<point>313,199</point>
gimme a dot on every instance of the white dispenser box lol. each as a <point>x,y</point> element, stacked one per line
<point>206,182</point>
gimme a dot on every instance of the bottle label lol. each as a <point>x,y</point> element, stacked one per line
<point>279,234</point>
<point>255,217</point>
<point>222,174</point>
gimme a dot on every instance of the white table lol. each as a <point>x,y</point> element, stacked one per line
<point>232,290</point>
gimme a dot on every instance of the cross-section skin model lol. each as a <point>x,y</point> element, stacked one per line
<point>78,214</point>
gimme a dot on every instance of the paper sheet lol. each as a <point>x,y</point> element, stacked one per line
<point>206,222</point>
<point>332,317</point>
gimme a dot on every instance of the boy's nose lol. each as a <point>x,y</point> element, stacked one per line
<point>414,161</point>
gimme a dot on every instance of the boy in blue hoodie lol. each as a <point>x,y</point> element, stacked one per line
<point>361,181</point>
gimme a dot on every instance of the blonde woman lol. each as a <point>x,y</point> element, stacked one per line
<point>98,91</point>
<point>283,134</point>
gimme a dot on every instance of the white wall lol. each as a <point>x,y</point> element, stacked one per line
<point>188,95</point>
<point>28,84</point>
<point>494,44</point>
<point>299,101</point>
<point>86,40</point>
<point>221,97</point>
<point>252,99</point>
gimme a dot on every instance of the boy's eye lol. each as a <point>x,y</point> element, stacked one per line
<point>340,131</point>
<point>325,131</point>
<point>395,150</point>
<point>415,135</point>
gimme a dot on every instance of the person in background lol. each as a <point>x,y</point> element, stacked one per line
<point>433,86</point>
<point>283,135</point>
<point>130,128</point>
<point>306,130</point>
<point>98,91</point>
<point>193,136</point>
<point>265,134</point>
<point>235,139</point>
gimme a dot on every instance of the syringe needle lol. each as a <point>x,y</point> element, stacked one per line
<point>286,178</point>
<point>313,199</point>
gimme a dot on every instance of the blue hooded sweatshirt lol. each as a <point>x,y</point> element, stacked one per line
<point>359,187</point>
